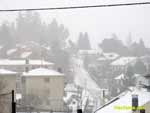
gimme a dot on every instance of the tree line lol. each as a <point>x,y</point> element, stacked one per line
<point>115,45</point>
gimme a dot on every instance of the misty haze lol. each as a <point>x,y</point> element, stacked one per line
<point>74,60</point>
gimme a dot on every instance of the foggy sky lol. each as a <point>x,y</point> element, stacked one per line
<point>100,23</point>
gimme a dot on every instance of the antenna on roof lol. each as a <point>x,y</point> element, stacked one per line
<point>41,57</point>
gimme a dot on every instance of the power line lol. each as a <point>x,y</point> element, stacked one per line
<point>75,7</point>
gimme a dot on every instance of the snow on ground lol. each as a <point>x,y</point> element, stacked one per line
<point>82,77</point>
<point>126,100</point>
<point>74,106</point>
<point>68,96</point>
<point>84,99</point>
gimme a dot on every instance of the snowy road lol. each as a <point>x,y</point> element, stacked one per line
<point>83,79</point>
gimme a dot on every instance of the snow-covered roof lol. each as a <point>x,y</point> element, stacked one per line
<point>125,100</point>
<point>42,72</point>
<point>120,77</point>
<point>25,54</point>
<point>11,51</point>
<point>46,47</point>
<point>123,61</point>
<point>7,72</point>
<point>23,62</point>
<point>111,56</point>
<point>90,52</point>
<point>108,56</point>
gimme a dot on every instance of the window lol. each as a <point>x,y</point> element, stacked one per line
<point>46,80</point>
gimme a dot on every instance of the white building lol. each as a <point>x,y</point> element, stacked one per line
<point>46,84</point>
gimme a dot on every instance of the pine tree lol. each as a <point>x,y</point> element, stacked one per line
<point>83,41</point>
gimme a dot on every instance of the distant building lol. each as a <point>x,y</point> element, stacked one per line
<point>121,64</point>
<point>105,59</point>
<point>48,85</point>
<point>20,65</point>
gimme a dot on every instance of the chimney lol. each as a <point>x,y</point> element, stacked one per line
<point>59,70</point>
<point>134,102</point>
<point>27,65</point>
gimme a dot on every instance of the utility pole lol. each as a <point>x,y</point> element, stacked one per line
<point>13,102</point>
<point>79,107</point>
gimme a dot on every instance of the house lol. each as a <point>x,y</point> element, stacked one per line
<point>21,65</point>
<point>8,81</point>
<point>26,50</point>
<point>124,103</point>
<point>45,84</point>
<point>105,59</point>
<point>143,80</point>
<point>122,63</point>
<point>133,100</point>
